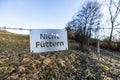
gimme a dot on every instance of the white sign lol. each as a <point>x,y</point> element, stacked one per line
<point>45,40</point>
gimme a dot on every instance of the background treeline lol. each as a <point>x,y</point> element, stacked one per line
<point>86,28</point>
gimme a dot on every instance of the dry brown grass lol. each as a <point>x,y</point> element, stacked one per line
<point>17,63</point>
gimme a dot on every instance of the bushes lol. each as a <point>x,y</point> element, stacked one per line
<point>115,46</point>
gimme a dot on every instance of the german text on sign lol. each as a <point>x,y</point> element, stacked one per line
<point>45,40</point>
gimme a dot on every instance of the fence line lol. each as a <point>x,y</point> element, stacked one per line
<point>8,28</point>
<point>30,29</point>
<point>115,38</point>
<point>14,28</point>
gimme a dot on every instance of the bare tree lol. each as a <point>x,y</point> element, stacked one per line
<point>86,22</point>
<point>72,25</point>
<point>89,18</point>
<point>71,28</point>
<point>114,11</point>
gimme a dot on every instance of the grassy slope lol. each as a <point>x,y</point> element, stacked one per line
<point>13,43</point>
<point>19,64</point>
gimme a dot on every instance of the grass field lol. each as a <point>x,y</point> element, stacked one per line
<point>14,43</point>
<point>17,63</point>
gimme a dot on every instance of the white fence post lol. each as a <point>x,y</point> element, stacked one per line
<point>98,48</point>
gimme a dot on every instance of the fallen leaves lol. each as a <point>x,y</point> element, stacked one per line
<point>105,68</point>
<point>61,65</point>
<point>47,61</point>
<point>62,62</point>
<point>26,60</point>
<point>21,68</point>
<point>17,63</point>
<point>35,66</point>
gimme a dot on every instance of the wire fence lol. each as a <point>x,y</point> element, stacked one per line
<point>21,43</point>
<point>14,28</point>
<point>103,33</point>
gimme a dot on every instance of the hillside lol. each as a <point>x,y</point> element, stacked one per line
<point>13,43</point>
<point>4,32</point>
<point>17,63</point>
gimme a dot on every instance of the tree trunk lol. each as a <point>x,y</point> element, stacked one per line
<point>88,42</point>
<point>110,39</point>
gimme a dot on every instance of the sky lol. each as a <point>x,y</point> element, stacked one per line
<point>37,14</point>
<point>43,14</point>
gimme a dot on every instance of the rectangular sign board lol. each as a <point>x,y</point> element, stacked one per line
<point>46,40</point>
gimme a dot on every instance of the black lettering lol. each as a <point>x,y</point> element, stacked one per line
<point>54,44</point>
<point>46,35</point>
<point>61,43</point>
<point>47,44</point>
<point>42,36</point>
<point>49,36</point>
<point>37,44</point>
<point>50,44</point>
<point>42,44</point>
<point>58,43</point>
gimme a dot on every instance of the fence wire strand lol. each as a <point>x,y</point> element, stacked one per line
<point>14,28</point>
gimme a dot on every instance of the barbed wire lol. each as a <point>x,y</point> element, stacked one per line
<point>30,29</point>
<point>14,28</point>
<point>101,34</point>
